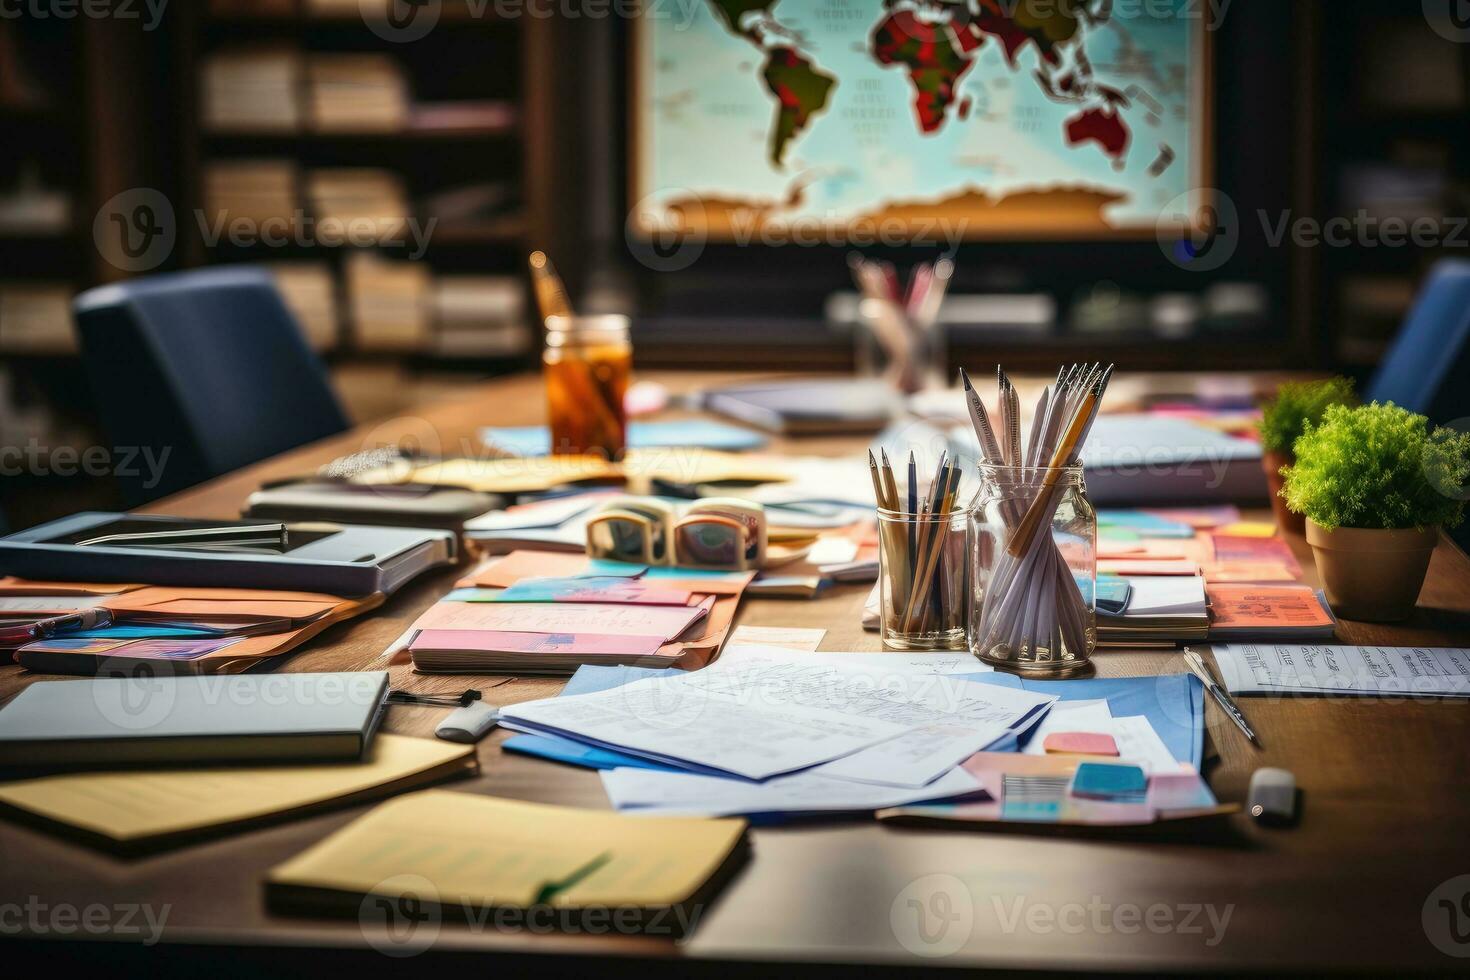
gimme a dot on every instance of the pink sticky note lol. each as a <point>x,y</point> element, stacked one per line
<point>1081,743</point>
<point>489,641</point>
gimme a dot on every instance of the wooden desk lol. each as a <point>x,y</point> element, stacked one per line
<point>1386,811</point>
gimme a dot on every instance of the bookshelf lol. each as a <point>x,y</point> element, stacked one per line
<point>435,148</point>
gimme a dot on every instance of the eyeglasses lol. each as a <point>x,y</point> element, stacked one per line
<point>715,533</point>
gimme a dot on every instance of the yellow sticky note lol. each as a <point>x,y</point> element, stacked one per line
<point>1248,529</point>
<point>478,851</point>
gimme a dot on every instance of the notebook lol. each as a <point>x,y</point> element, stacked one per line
<point>121,721</point>
<point>505,854</point>
<point>144,811</point>
<point>1162,610</point>
<point>1139,460</point>
<point>809,407</point>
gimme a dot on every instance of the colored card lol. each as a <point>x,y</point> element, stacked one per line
<point>1200,518</point>
<point>1248,529</point>
<point>1233,548</point>
<point>1144,523</point>
<point>1146,566</point>
<point>535,440</point>
<point>1265,607</point>
<point>1108,781</point>
<point>153,649</point>
<point>629,591</point>
<point>562,617</point>
<point>517,565</point>
<point>1081,743</point>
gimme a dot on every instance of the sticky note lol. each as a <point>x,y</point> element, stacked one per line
<point>1081,743</point>
<point>1106,780</point>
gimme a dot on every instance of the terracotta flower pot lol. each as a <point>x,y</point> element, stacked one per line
<point>1271,462</point>
<point>1372,575</point>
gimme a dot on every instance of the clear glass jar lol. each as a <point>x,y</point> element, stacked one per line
<point>1033,569</point>
<point>922,599</point>
<point>588,362</point>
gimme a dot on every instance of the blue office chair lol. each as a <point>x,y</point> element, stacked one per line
<point>1427,370</point>
<point>208,366</point>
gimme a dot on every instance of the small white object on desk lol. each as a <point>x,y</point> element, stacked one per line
<point>469,723</point>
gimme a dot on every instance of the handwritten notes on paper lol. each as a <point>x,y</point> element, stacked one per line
<point>1313,669</point>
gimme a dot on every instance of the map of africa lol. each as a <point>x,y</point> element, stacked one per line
<point>999,117</point>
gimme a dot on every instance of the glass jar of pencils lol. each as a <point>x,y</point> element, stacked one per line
<point>588,361</point>
<point>1033,570</point>
<point>921,579</point>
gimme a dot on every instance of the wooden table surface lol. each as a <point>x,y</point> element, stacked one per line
<point>1386,821</point>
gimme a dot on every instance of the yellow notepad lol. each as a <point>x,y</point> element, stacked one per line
<point>483,851</point>
<point>136,808</point>
<point>639,467</point>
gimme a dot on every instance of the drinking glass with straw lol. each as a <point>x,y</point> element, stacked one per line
<point>922,557</point>
<point>1032,529</point>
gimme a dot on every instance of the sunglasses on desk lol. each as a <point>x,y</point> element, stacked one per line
<point>716,534</point>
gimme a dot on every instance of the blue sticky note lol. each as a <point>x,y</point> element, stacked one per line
<point>535,440</point>
<point>1034,811</point>
<point>575,753</point>
<point>606,567</point>
<point>1108,780</point>
<point>1147,525</point>
<point>129,631</point>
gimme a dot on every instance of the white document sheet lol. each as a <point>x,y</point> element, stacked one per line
<point>1165,595</point>
<point>899,663</point>
<point>1140,744</point>
<point>562,617</point>
<point>765,711</point>
<point>645,791</point>
<point>1250,668</point>
<point>917,757</point>
<point>785,637</point>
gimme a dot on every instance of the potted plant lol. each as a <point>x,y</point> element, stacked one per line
<point>1282,421</point>
<point>1376,484</point>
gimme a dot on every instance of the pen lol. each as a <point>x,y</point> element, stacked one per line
<point>1198,667</point>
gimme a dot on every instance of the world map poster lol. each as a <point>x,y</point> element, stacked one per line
<point>993,118</point>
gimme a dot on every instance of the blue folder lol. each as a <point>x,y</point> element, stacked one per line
<point>1173,703</point>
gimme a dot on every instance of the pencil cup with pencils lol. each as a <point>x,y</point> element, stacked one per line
<point>1033,569</point>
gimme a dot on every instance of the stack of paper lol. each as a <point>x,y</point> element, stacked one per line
<point>1393,671</point>
<point>37,318</point>
<point>252,89</point>
<point>363,93</point>
<point>548,613</point>
<point>1162,609</point>
<point>767,730</point>
<point>388,303</point>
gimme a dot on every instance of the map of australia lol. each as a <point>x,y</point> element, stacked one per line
<point>1016,118</point>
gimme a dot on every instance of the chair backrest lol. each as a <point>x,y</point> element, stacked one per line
<point>208,366</point>
<point>1427,370</point>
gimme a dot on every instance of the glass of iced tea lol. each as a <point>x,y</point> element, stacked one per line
<point>588,361</point>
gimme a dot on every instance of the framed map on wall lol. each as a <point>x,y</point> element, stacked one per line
<point>918,119</point>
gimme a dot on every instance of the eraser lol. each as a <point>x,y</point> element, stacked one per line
<point>1273,797</point>
<point>1081,743</point>
<point>468,724</point>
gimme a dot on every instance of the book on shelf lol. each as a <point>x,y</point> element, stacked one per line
<point>356,93</point>
<point>473,115</point>
<point>311,296</point>
<point>479,316</point>
<point>259,190</point>
<point>252,89</point>
<point>368,202</point>
<point>36,318</point>
<point>389,302</point>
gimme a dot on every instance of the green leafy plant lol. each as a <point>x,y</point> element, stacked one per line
<point>1378,466</point>
<point>1296,403</point>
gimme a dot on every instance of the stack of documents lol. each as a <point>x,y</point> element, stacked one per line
<point>361,93</point>
<point>1364,670</point>
<point>170,629</point>
<point>367,204</point>
<point>489,853</point>
<point>37,317</point>
<point>771,730</point>
<point>1161,609</point>
<point>257,190</point>
<point>548,613</point>
<point>1269,612</point>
